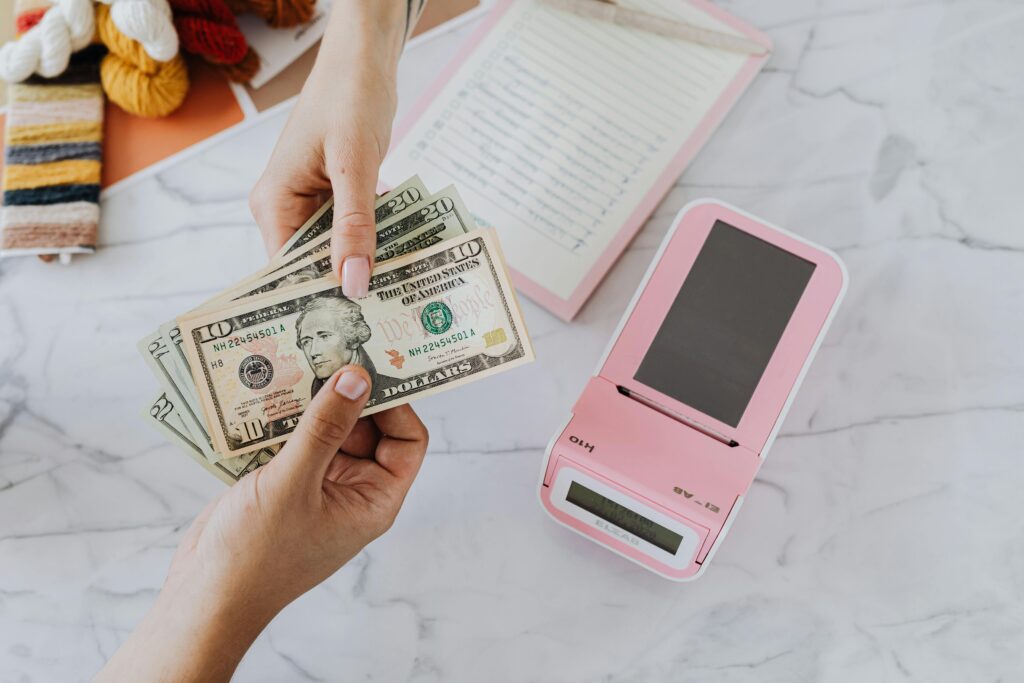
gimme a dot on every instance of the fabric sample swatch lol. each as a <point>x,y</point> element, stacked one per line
<point>52,155</point>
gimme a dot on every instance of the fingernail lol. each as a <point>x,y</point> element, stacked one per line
<point>355,277</point>
<point>351,385</point>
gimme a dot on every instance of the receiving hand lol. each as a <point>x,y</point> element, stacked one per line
<point>336,485</point>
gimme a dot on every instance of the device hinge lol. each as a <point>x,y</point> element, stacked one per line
<point>668,412</point>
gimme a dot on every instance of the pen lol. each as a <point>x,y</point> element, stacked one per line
<point>607,10</point>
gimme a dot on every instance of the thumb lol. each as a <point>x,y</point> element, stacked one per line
<point>327,422</point>
<point>354,232</point>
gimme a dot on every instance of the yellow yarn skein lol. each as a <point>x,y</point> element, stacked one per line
<point>132,79</point>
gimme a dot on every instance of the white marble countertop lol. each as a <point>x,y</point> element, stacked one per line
<point>883,539</point>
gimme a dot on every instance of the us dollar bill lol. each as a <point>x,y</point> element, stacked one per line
<point>184,389</point>
<point>183,373</point>
<point>442,216</point>
<point>158,356</point>
<point>434,320</point>
<point>163,413</point>
<point>314,237</point>
<point>409,193</point>
<point>434,219</point>
<point>318,265</point>
<point>173,370</point>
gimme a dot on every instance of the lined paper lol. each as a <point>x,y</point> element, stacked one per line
<point>556,126</point>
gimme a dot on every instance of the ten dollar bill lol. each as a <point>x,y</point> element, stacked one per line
<point>433,320</point>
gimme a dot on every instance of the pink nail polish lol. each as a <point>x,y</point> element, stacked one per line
<point>355,277</point>
<point>351,385</point>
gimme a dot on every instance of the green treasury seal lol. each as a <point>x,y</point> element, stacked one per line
<point>436,317</point>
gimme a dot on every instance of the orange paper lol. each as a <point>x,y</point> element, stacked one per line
<point>131,143</point>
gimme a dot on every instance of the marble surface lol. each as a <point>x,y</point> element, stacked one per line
<point>883,539</point>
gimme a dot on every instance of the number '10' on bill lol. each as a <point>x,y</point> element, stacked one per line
<point>434,320</point>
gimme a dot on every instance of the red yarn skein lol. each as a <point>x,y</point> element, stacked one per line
<point>208,28</point>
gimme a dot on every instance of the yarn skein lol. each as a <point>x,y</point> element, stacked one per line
<point>69,26</point>
<point>149,22</point>
<point>208,28</point>
<point>132,79</point>
<point>277,13</point>
<point>244,71</point>
<point>46,48</point>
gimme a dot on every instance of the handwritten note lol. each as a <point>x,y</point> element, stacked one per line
<point>557,126</point>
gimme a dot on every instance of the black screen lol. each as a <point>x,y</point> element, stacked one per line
<point>725,323</point>
<point>623,517</point>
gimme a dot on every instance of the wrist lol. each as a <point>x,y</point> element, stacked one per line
<point>191,633</point>
<point>367,33</point>
<point>216,624</point>
<point>225,610</point>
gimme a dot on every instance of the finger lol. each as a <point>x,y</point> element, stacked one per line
<point>353,174</point>
<point>336,469</point>
<point>362,442</point>
<point>279,212</point>
<point>404,443</point>
<point>362,473</point>
<point>326,424</point>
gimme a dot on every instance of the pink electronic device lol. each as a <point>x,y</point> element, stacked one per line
<point>669,433</point>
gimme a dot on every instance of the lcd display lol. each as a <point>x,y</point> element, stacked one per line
<point>725,323</point>
<point>624,518</point>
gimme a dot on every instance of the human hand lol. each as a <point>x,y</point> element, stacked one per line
<point>336,485</point>
<point>336,138</point>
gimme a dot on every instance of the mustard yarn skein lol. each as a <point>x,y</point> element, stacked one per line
<point>132,79</point>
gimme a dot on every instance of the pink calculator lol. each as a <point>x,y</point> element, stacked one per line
<point>667,436</point>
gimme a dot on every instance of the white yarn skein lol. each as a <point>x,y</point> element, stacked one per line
<point>149,22</point>
<point>18,60</point>
<point>81,20</point>
<point>69,26</point>
<point>56,44</point>
<point>46,47</point>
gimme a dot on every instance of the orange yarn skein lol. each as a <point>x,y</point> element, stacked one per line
<point>132,79</point>
<point>277,13</point>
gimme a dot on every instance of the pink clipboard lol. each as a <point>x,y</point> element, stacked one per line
<point>567,308</point>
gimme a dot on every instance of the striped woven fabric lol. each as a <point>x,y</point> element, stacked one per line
<point>52,154</point>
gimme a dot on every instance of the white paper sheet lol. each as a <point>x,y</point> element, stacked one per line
<point>279,47</point>
<point>556,127</point>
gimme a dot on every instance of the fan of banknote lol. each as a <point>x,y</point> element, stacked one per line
<point>237,372</point>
